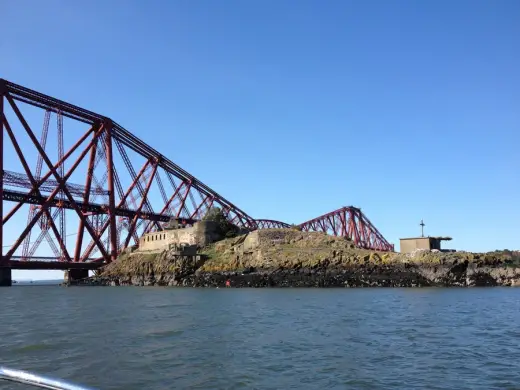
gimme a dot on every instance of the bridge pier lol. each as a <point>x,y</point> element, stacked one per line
<point>75,275</point>
<point>6,278</point>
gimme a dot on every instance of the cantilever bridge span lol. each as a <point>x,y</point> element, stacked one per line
<point>77,188</point>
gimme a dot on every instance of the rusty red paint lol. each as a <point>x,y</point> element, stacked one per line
<point>101,224</point>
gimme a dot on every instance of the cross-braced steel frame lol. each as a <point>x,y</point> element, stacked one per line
<point>50,146</point>
<point>271,224</point>
<point>349,222</point>
<point>109,214</point>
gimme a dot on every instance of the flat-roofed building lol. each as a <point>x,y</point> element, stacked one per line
<point>408,245</point>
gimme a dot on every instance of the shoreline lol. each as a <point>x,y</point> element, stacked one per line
<point>398,275</point>
<point>290,258</point>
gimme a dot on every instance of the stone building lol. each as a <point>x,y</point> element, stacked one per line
<point>408,245</point>
<point>200,234</point>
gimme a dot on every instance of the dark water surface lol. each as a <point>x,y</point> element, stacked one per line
<point>166,338</point>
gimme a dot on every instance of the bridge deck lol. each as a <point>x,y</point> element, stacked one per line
<point>49,263</point>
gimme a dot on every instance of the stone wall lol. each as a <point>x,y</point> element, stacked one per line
<point>270,237</point>
<point>252,241</point>
<point>154,241</point>
<point>410,244</point>
<point>201,234</point>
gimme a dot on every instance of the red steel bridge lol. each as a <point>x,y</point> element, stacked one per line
<point>77,188</point>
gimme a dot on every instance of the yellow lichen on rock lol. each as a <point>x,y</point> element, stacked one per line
<point>273,249</point>
<point>287,248</point>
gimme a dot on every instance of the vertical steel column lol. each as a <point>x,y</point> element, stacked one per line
<point>3,89</point>
<point>111,191</point>
<point>86,199</point>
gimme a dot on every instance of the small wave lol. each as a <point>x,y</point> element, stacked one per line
<point>164,333</point>
<point>32,348</point>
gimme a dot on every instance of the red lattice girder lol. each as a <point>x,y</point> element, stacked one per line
<point>127,187</point>
<point>112,207</point>
<point>270,224</point>
<point>351,223</point>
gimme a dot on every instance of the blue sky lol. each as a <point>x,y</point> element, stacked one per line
<point>291,109</point>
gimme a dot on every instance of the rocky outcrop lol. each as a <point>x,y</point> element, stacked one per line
<point>373,276</point>
<point>147,269</point>
<point>288,258</point>
<point>393,275</point>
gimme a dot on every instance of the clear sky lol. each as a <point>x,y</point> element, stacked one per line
<point>290,109</point>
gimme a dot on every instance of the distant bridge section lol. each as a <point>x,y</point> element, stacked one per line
<point>270,224</point>
<point>351,223</point>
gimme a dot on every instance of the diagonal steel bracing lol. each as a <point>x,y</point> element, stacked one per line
<point>115,202</point>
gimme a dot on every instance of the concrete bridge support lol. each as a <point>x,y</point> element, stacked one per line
<point>74,275</point>
<point>6,279</point>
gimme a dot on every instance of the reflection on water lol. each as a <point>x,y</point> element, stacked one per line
<point>161,338</point>
<point>37,282</point>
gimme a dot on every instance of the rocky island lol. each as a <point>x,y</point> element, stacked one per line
<point>201,256</point>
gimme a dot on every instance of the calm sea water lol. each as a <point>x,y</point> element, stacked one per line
<point>165,338</point>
